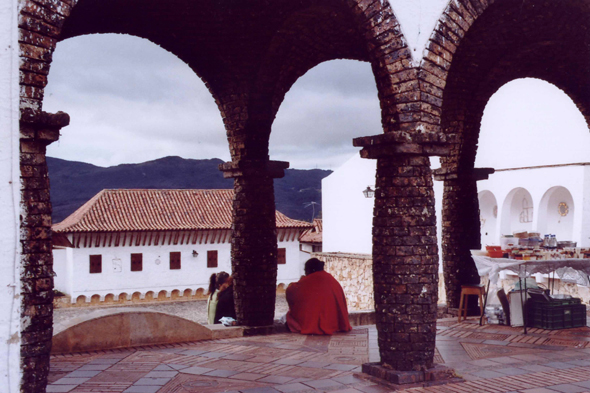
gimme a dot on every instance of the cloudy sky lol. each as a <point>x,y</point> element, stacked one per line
<point>130,101</point>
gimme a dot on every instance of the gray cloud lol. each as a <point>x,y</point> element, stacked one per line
<point>131,101</point>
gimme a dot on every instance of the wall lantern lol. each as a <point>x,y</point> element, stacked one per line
<point>369,192</point>
<point>195,254</point>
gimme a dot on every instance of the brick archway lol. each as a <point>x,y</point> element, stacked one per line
<point>249,55</point>
<point>479,46</point>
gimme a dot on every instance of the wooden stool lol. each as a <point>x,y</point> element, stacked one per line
<point>467,290</point>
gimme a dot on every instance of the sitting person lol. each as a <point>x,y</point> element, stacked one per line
<point>225,301</point>
<point>215,282</point>
<point>317,304</point>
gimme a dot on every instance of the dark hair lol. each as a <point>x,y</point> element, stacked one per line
<point>212,282</point>
<point>313,265</point>
<point>215,281</point>
<point>221,279</point>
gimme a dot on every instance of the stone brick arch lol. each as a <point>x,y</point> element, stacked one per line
<point>477,47</point>
<point>235,48</point>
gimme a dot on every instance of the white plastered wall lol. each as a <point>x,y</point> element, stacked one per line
<point>74,278</point>
<point>347,214</point>
<point>537,181</point>
<point>10,324</point>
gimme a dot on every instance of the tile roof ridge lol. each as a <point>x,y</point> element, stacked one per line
<point>79,213</point>
<point>116,210</point>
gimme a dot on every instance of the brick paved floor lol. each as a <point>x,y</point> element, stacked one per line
<point>490,359</point>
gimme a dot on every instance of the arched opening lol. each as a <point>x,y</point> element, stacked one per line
<point>505,41</point>
<point>530,122</point>
<point>556,214</point>
<point>323,111</point>
<point>129,101</point>
<point>488,216</point>
<point>517,212</point>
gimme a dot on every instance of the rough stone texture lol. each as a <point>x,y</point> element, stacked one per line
<point>438,373</point>
<point>460,225</point>
<point>355,273</point>
<point>38,129</point>
<point>254,248</point>
<point>405,262</point>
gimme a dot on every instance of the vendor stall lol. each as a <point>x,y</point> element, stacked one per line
<point>575,269</point>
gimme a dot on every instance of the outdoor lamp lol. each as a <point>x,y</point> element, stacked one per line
<point>369,192</point>
<point>195,253</point>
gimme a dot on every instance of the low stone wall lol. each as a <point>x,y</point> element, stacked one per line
<point>355,273</point>
<point>109,329</point>
<point>136,298</point>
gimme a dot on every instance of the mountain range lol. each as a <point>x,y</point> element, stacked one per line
<point>297,195</point>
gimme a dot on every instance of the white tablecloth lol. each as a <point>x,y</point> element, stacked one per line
<point>572,270</point>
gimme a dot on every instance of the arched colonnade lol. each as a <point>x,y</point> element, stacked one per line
<point>249,54</point>
<point>550,212</point>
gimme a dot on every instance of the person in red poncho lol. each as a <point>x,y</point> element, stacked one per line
<point>316,302</point>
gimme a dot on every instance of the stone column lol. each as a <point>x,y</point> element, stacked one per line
<point>405,254</point>
<point>37,130</point>
<point>254,239</point>
<point>461,229</point>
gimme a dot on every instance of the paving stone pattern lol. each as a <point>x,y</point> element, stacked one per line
<point>488,358</point>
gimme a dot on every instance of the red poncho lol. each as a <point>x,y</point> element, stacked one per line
<point>317,305</point>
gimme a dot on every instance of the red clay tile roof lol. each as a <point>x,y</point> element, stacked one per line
<point>158,210</point>
<point>313,235</point>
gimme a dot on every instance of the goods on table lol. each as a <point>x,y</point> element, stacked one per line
<point>538,253</point>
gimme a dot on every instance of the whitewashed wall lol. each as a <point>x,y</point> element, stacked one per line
<point>347,214</point>
<point>547,187</point>
<point>10,325</point>
<point>74,277</point>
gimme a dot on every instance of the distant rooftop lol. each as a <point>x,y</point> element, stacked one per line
<point>158,210</point>
<point>313,235</point>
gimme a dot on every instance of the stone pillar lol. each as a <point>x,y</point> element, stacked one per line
<point>254,239</point>
<point>37,130</point>
<point>405,252</point>
<point>461,229</point>
<point>405,262</point>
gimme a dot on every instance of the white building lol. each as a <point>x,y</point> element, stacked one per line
<point>552,199</point>
<point>311,239</point>
<point>148,242</point>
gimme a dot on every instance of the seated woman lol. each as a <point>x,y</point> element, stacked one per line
<point>215,282</point>
<point>225,301</point>
<point>317,304</point>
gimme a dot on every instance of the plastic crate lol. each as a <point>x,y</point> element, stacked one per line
<point>555,314</point>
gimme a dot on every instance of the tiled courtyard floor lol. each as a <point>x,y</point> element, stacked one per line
<point>490,359</point>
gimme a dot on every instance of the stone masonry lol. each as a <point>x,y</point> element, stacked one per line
<point>254,240</point>
<point>354,272</point>
<point>405,262</point>
<point>37,131</point>
<point>249,54</point>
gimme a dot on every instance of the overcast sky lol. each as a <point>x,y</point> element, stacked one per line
<point>130,101</point>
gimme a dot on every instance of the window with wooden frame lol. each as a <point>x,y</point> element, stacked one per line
<point>175,260</point>
<point>212,258</point>
<point>282,256</point>
<point>136,262</point>
<point>95,263</point>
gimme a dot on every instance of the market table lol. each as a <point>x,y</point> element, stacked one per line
<point>573,269</point>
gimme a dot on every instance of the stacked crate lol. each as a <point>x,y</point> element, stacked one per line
<point>555,313</point>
